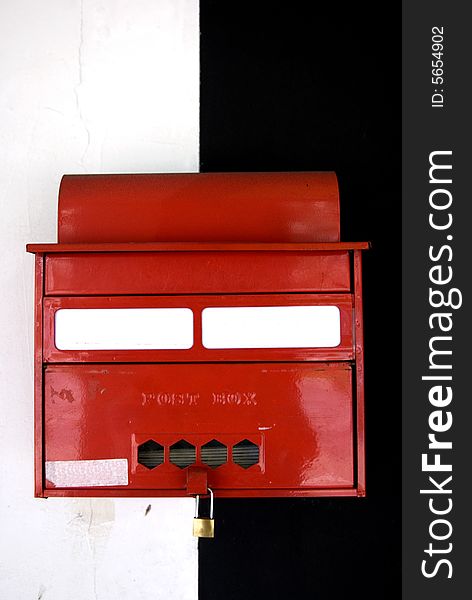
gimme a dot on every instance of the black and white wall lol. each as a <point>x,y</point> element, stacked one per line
<point>90,86</point>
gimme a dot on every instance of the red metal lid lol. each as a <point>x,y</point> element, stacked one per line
<point>199,207</point>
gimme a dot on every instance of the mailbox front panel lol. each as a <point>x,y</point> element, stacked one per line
<point>273,427</point>
<point>196,351</point>
<point>195,273</point>
<point>199,329</point>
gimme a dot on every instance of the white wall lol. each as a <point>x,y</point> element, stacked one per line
<point>92,86</point>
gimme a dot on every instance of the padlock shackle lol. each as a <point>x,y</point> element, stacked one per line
<point>211,503</point>
<point>197,502</point>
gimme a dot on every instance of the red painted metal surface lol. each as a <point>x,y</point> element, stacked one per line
<point>69,274</point>
<point>38,376</point>
<point>299,415</point>
<point>344,351</point>
<point>205,207</point>
<point>198,247</point>
<point>359,362</point>
<point>197,480</point>
<point>200,241</point>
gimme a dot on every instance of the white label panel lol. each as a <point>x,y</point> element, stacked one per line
<point>87,473</point>
<point>124,329</point>
<point>271,327</point>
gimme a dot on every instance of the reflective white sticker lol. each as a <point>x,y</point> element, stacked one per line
<point>271,327</point>
<point>87,473</point>
<point>124,329</point>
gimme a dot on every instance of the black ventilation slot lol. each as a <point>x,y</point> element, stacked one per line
<point>182,454</point>
<point>245,454</point>
<point>150,454</point>
<point>214,454</point>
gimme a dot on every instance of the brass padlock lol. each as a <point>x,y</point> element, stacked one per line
<point>204,526</point>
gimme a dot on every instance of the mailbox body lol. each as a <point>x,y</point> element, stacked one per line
<point>258,416</point>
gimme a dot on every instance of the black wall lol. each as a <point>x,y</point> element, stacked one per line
<point>299,86</point>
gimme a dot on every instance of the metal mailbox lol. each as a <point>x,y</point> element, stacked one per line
<point>199,330</point>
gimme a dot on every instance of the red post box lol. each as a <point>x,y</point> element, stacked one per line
<point>199,330</point>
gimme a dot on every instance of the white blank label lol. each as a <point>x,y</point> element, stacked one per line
<point>87,473</point>
<point>124,329</point>
<point>271,327</point>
